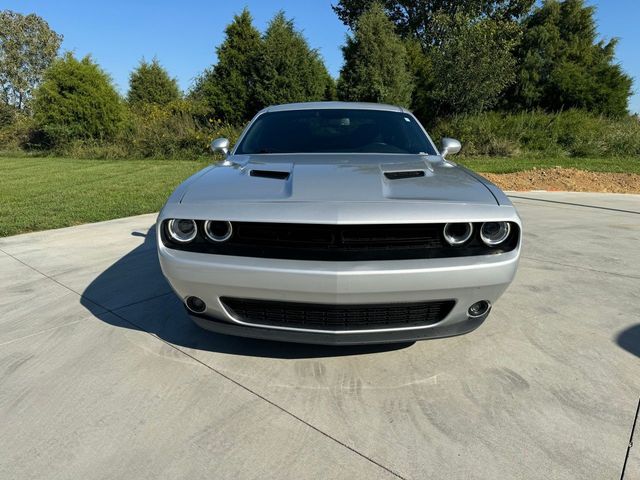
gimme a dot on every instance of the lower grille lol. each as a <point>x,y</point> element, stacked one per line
<point>314,316</point>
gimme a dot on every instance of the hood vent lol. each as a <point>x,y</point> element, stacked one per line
<point>270,174</point>
<point>405,174</point>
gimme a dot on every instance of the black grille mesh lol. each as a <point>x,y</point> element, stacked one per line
<point>337,317</point>
<point>339,237</point>
<point>299,241</point>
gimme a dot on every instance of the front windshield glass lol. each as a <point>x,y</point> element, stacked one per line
<point>335,131</point>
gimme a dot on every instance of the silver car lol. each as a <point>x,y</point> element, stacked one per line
<point>338,223</point>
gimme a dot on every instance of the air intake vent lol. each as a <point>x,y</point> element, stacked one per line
<point>270,174</point>
<point>313,316</point>
<point>406,174</point>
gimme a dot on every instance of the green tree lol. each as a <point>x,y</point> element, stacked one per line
<point>562,64</point>
<point>151,83</point>
<point>76,100</point>
<point>471,68</point>
<point>289,70</point>
<point>27,47</point>
<point>375,67</point>
<point>423,19</point>
<point>461,53</point>
<point>228,88</point>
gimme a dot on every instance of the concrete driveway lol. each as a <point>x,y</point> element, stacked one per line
<point>103,376</point>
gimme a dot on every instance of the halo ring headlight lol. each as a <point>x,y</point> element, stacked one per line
<point>218,230</point>
<point>182,230</point>
<point>457,233</point>
<point>494,233</point>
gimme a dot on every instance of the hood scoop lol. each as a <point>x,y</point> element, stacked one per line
<point>404,174</point>
<point>277,175</point>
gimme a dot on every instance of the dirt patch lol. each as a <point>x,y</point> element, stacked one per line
<point>567,179</point>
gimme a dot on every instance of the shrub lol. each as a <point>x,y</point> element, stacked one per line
<point>571,133</point>
<point>76,101</point>
<point>154,131</point>
<point>7,114</point>
<point>16,134</point>
<point>174,131</point>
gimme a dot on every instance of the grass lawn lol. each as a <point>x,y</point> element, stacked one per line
<point>44,193</point>
<point>509,165</point>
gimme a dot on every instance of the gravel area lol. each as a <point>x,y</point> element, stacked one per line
<point>567,179</point>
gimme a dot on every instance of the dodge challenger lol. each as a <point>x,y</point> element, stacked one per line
<point>338,223</point>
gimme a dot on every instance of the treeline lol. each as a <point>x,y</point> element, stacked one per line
<point>478,68</point>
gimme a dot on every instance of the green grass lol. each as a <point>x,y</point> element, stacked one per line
<point>44,193</point>
<point>517,164</point>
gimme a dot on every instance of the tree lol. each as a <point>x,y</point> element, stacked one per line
<point>472,67</point>
<point>563,65</point>
<point>460,52</point>
<point>27,48</point>
<point>422,19</point>
<point>288,69</point>
<point>228,88</point>
<point>76,100</point>
<point>151,83</point>
<point>375,68</point>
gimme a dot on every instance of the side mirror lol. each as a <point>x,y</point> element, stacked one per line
<point>449,146</point>
<point>220,145</point>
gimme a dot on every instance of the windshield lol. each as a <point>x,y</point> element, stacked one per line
<point>335,131</point>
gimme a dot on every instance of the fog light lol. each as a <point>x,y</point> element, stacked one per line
<point>196,305</point>
<point>478,309</point>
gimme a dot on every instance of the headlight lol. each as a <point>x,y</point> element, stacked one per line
<point>182,230</point>
<point>457,233</point>
<point>218,230</point>
<point>494,233</point>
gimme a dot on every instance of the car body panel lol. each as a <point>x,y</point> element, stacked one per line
<point>337,177</point>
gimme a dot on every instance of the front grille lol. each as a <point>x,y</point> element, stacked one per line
<point>302,241</point>
<point>338,237</point>
<point>314,316</point>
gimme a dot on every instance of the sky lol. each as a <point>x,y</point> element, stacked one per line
<point>183,35</point>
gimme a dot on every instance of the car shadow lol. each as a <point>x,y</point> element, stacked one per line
<point>138,297</point>
<point>629,339</point>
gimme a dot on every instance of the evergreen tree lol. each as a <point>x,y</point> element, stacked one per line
<point>375,68</point>
<point>471,68</point>
<point>77,100</point>
<point>151,83</point>
<point>427,20</point>
<point>289,70</point>
<point>563,65</point>
<point>228,88</point>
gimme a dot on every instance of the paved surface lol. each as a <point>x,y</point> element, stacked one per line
<point>102,376</point>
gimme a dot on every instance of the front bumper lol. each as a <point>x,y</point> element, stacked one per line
<point>465,280</point>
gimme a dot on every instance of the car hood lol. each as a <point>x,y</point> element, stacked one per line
<point>336,178</point>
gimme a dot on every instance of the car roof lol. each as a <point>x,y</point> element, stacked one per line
<point>333,105</point>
